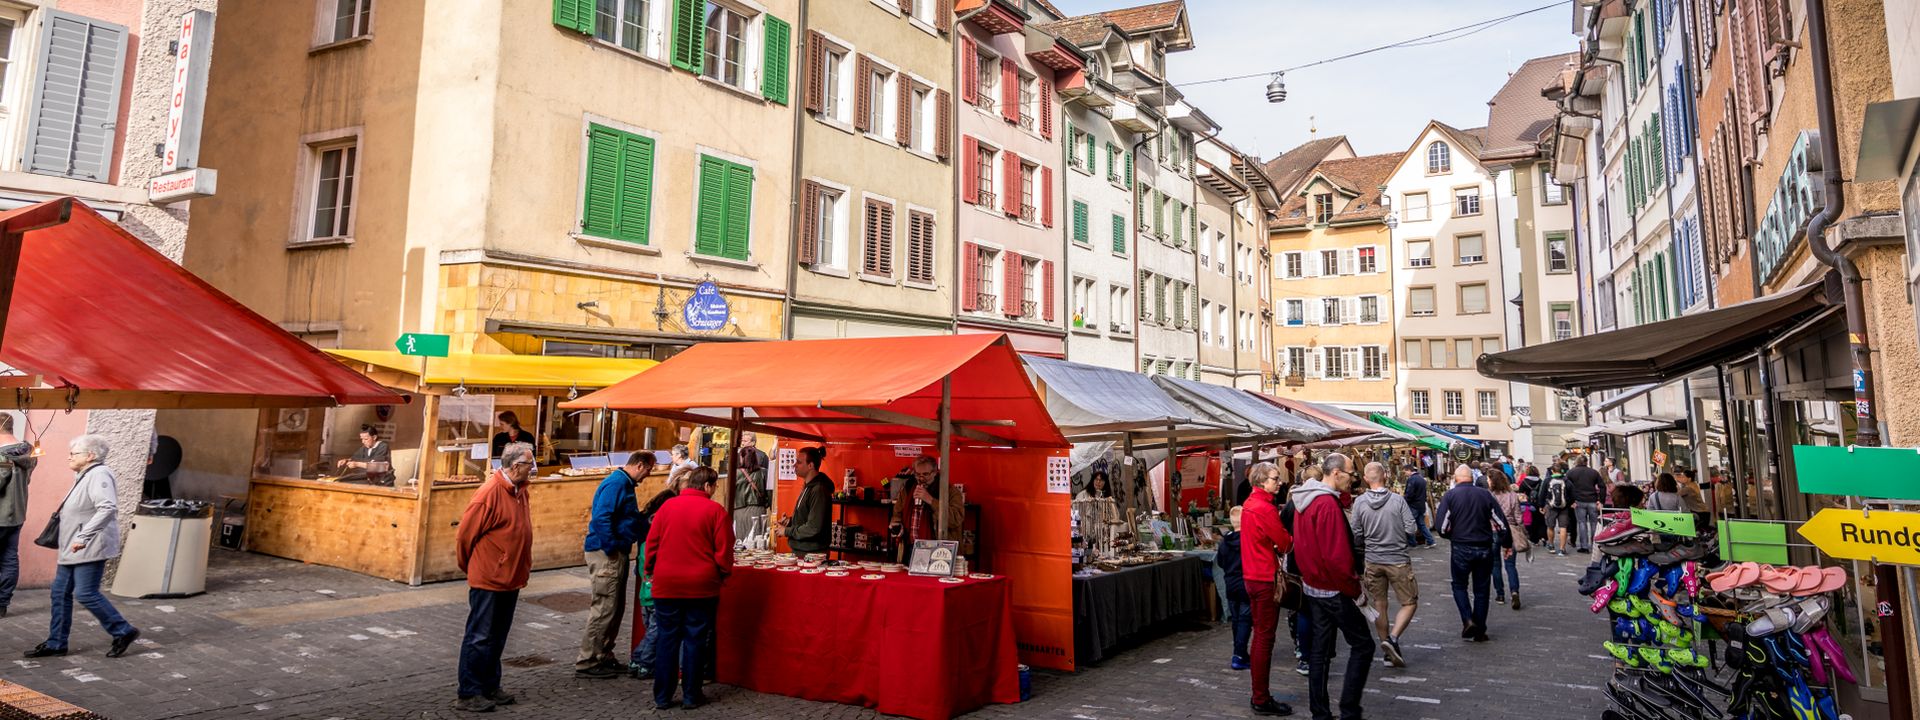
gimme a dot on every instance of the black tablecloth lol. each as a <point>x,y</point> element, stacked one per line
<point>1125,607</point>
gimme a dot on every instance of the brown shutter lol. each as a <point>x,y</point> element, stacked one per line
<point>920,247</point>
<point>862,92</point>
<point>1047,288</point>
<point>943,15</point>
<point>903,128</point>
<point>1044,97</point>
<point>870,238</point>
<point>969,172</point>
<point>906,7</point>
<point>970,277</point>
<point>816,71</point>
<point>942,127</point>
<point>970,71</point>
<point>884,246</point>
<point>1011,283</point>
<point>1010,183</point>
<point>809,223</point>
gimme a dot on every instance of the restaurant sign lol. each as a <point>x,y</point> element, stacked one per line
<point>184,185</point>
<point>1798,196</point>
<point>706,310</point>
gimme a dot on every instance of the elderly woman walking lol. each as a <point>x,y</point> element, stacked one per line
<point>89,536</point>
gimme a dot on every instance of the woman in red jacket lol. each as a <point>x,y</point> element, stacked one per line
<point>1262,541</point>
<point>689,554</point>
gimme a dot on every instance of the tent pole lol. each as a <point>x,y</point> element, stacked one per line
<point>946,453</point>
<point>725,491</point>
<point>1126,474</point>
<point>1173,462</point>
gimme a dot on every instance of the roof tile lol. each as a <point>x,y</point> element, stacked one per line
<point>1361,175</point>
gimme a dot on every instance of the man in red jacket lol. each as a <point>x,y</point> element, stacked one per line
<point>1262,541</point>
<point>1330,567</point>
<point>689,554</point>
<point>494,548</point>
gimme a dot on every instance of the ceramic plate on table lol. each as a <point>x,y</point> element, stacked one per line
<point>835,573</point>
<point>952,580</point>
<point>981,576</point>
<point>893,568</point>
<point>811,571</point>
<point>873,576</point>
<point>789,568</point>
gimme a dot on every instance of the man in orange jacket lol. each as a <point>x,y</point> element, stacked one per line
<point>1262,541</point>
<point>495,546</point>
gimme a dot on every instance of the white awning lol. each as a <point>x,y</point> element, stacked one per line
<point>1642,425</point>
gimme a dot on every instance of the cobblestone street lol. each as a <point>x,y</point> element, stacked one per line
<point>279,639</point>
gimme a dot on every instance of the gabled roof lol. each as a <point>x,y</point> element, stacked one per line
<point>1290,169</point>
<point>1084,31</point>
<point>1049,7</point>
<point>1170,16</point>
<point>1467,143</point>
<point>1361,177</point>
<point>1518,115</point>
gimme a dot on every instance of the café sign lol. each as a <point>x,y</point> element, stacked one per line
<point>1798,196</point>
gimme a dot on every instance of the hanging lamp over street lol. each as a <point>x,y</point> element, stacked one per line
<point>1277,88</point>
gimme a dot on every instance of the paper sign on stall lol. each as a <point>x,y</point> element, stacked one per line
<point>787,457</point>
<point>906,451</point>
<point>1059,476</point>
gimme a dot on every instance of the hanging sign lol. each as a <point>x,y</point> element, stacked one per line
<point>423,344</point>
<point>1671,523</point>
<point>192,54</point>
<point>1884,536</point>
<point>1659,458</point>
<point>784,464</point>
<point>1875,472</point>
<point>1059,476</point>
<point>706,310</point>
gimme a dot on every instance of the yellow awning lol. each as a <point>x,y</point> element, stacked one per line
<point>529,371</point>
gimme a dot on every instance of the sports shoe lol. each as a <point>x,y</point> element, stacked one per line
<point>1237,663</point>
<point>500,697</point>
<point>1302,668</point>
<point>1391,646</point>
<point>600,672</point>
<point>1501,598</point>
<point>476,703</point>
<point>1271,708</point>
<point>1481,636</point>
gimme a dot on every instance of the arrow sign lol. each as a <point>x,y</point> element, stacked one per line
<point>1875,472</point>
<point>1888,537</point>
<point>423,345</point>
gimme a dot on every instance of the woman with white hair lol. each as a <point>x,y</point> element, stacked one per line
<point>89,536</point>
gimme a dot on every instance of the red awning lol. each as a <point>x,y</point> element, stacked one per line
<point>105,321</point>
<point>871,390</point>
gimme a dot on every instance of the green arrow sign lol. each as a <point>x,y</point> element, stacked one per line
<point>423,345</point>
<point>1671,523</point>
<point>1875,472</point>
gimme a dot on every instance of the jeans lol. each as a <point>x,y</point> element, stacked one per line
<point>1240,613</point>
<point>1266,620</point>
<point>82,582</point>
<point>643,651</point>
<point>1421,535</point>
<point>609,573</point>
<point>686,625</point>
<point>1475,561</point>
<point>1512,575</point>
<point>489,617</point>
<point>1331,614</point>
<point>9,563</point>
<point>1586,521</point>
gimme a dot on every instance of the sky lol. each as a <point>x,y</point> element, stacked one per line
<point>1379,101</point>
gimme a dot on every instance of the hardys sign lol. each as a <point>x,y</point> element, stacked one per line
<point>706,310</point>
<point>1794,201</point>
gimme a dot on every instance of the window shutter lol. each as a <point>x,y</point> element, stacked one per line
<point>600,217</point>
<point>809,252</point>
<point>1047,288</point>
<point>1010,162</point>
<point>1350,310</point>
<point>1044,97</point>
<point>689,31</point>
<point>862,93</point>
<point>1128,178</point>
<point>1009,91</point>
<point>942,142</point>
<point>1010,284</point>
<point>1141,293</point>
<point>920,247</point>
<point>885,246</point>
<point>778,44</point>
<point>710,228</point>
<point>636,188</point>
<point>816,72</point>
<point>1318,371</point>
<point>903,122</point>
<point>969,71</point>
<point>1045,191</point>
<point>1352,365</point>
<point>970,277</point>
<point>870,238</point>
<point>739,212</point>
<point>1179,238</point>
<point>1140,209</point>
<point>76,101</point>
<point>943,15</point>
<point>970,170</point>
<point>1119,233</point>
<point>575,15</point>
<point>1079,220</point>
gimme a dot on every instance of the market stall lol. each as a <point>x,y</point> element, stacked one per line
<point>396,519</point>
<point>875,405</point>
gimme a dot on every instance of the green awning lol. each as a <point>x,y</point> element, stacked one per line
<point>1421,437</point>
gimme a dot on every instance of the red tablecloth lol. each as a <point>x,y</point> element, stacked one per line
<point>904,645</point>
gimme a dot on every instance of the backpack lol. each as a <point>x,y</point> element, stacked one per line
<point>1557,493</point>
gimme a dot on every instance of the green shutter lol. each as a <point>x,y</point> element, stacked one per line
<point>779,43</point>
<point>689,31</point>
<point>636,188</point>
<point>1159,218</point>
<point>1079,222</point>
<point>1119,233</point>
<point>711,228</point>
<point>1128,177</point>
<point>601,217</point>
<point>575,15</point>
<point>739,211</point>
<point>1178,226</point>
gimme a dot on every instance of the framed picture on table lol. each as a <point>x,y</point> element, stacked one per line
<point>934,558</point>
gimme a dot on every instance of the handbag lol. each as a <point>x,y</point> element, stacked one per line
<point>1520,542</point>
<point>50,536</point>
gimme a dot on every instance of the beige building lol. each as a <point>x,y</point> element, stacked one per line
<point>874,244</point>
<point>1231,272</point>
<point>1333,322</point>
<point>480,176</point>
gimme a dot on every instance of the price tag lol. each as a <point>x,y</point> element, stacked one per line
<point>1671,523</point>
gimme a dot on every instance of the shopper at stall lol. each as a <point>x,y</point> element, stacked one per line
<point>751,493</point>
<point>913,513</point>
<point>16,469</point>
<point>1470,519</point>
<point>643,655</point>
<point>1384,523</point>
<point>809,528</point>
<point>1262,541</point>
<point>1690,491</point>
<point>681,463</point>
<point>88,532</point>
<point>1416,497</point>
<point>495,550</point>
<point>614,525</point>
<point>1506,567</point>
<point>372,450</point>
<point>1586,489</point>
<point>1330,567</point>
<point>1226,559</point>
<point>507,430</point>
<point>689,555</point>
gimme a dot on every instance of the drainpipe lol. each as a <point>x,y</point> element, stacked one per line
<point>793,205</point>
<point>1886,580</point>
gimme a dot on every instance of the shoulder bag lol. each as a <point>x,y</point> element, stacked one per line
<point>50,536</point>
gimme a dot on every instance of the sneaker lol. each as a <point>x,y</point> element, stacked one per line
<point>41,650</point>
<point>1302,668</point>
<point>1481,636</point>
<point>476,703</point>
<point>120,644</point>
<point>641,672</point>
<point>500,697</point>
<point>1516,601</point>
<point>694,703</point>
<point>1391,646</point>
<point>1502,599</point>
<point>1271,708</point>
<point>600,672</point>
<point>1237,663</point>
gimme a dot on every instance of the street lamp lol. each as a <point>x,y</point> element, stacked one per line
<point>1277,89</point>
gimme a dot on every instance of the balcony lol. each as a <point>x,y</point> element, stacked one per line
<point>1027,212</point>
<point>987,199</point>
<point>1045,49</point>
<point>1296,380</point>
<point>1128,116</point>
<point>985,302</point>
<point>1029,308</point>
<point>998,18</point>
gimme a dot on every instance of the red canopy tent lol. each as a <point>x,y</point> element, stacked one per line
<point>96,319</point>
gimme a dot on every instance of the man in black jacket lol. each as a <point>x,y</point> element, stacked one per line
<point>1585,489</point>
<point>1416,496</point>
<point>1239,610</point>
<point>1470,519</point>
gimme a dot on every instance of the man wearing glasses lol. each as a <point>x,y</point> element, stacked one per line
<point>919,502</point>
<point>496,553</point>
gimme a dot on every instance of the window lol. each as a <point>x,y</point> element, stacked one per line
<point>1473,298</point>
<point>627,23</point>
<point>1466,201</point>
<point>1373,362</point>
<point>1439,353</point>
<point>618,189</point>
<point>1439,158</point>
<point>920,251</point>
<point>1551,191</point>
<point>335,169</point>
<point>1603,308</point>
<point>1369,309</point>
<point>1335,359</point>
<point>835,103</point>
<point>1329,262</point>
<point>1029,174</point>
<point>1418,403</point>
<point>1455,404</point>
<point>922,133</point>
<point>986,265</point>
<point>1029,287</point>
<point>1489,404</point>
<point>983,164</point>
<point>1369,262</point>
<point>1419,253</point>
<point>725,213</point>
<point>1083,305</point>
<point>1119,310</point>
<point>352,18</point>
<point>7,27</point>
<point>1562,315</point>
<point>1290,264</point>
<point>880,101</point>
<point>1296,362</point>
<point>1296,312</point>
<point>1420,302</point>
<point>1568,405</point>
<point>726,43</point>
<point>876,235</point>
<point>1119,234</point>
<point>829,228</point>
<point>1416,207</point>
<point>1463,353</point>
<point>1113,163</point>
<point>1473,248</point>
<point>1412,353</point>
<point>1323,208</point>
<point>987,79</point>
<point>1490,345</point>
<point>1028,104</point>
<point>1330,311</point>
<point>1204,248</point>
<point>1559,257</point>
<point>1206,323</point>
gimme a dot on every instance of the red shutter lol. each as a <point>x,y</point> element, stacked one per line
<point>1045,191</point>
<point>942,128</point>
<point>1010,186</point>
<point>943,15</point>
<point>969,276</point>
<point>816,71</point>
<point>969,172</point>
<point>1009,91</point>
<point>1046,284</point>
<point>1011,286</point>
<point>1045,98</point>
<point>969,71</point>
<point>862,92</point>
<point>809,223</point>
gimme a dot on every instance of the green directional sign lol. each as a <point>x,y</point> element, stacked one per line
<point>1875,472</point>
<point>1671,523</point>
<point>423,345</point>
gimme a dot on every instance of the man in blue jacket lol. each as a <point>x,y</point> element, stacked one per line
<point>1471,521</point>
<point>612,530</point>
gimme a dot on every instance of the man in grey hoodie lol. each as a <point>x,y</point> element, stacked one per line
<point>16,469</point>
<point>1383,522</point>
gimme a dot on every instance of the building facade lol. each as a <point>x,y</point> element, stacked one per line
<point>1235,198</point>
<point>1103,126</point>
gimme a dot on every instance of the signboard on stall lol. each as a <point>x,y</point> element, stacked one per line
<point>784,464</point>
<point>1659,458</point>
<point>1059,475</point>
<point>1880,536</point>
<point>1671,523</point>
<point>1875,472</point>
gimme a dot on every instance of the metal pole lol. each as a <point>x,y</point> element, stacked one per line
<point>1126,472</point>
<point>946,453</point>
<point>725,491</point>
<point>1173,458</point>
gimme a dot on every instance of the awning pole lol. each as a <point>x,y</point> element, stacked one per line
<point>423,487</point>
<point>1173,461</point>
<point>1126,473</point>
<point>946,452</point>
<point>725,491</point>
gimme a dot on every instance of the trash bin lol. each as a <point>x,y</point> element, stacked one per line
<point>165,552</point>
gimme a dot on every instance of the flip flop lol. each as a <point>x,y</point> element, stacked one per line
<point>1831,579</point>
<point>1780,580</point>
<point>1776,620</point>
<point>1809,578</point>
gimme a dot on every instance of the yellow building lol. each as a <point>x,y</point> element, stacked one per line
<point>1333,330</point>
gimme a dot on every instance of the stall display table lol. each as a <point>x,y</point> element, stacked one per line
<point>1116,608</point>
<point>903,645</point>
